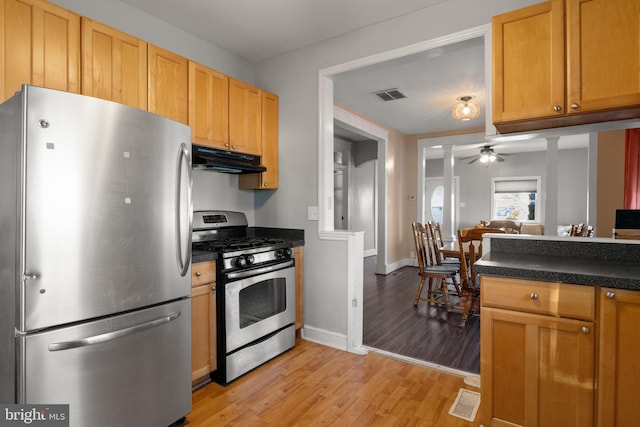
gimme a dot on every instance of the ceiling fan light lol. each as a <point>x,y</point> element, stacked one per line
<point>492,157</point>
<point>465,110</point>
<point>484,158</point>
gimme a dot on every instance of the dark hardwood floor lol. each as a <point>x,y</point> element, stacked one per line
<point>428,332</point>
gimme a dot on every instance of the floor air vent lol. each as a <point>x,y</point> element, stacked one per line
<point>389,94</point>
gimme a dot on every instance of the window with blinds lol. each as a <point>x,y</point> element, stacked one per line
<point>515,198</point>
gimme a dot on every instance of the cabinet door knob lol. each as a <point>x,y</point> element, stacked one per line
<point>585,330</point>
<point>575,106</point>
<point>198,274</point>
<point>534,296</point>
<point>611,295</point>
<point>213,288</point>
<point>557,108</point>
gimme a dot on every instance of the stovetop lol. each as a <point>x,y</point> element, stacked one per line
<point>225,234</point>
<point>240,244</point>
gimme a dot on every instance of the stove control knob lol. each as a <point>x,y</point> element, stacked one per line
<point>284,253</point>
<point>240,262</point>
<point>249,259</point>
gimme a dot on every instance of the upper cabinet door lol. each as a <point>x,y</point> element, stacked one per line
<point>208,106</point>
<point>168,84</point>
<point>528,62</point>
<point>114,65</point>
<point>270,140</point>
<point>245,115</point>
<point>603,66</point>
<point>40,45</point>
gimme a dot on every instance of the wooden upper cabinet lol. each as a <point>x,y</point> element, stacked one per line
<point>266,180</point>
<point>40,45</point>
<point>603,54</point>
<point>168,84</point>
<point>114,65</point>
<point>528,62</point>
<point>566,62</point>
<point>245,117</point>
<point>208,106</point>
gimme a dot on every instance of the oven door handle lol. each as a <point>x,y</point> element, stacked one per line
<point>262,270</point>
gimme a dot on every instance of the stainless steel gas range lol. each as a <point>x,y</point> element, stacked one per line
<point>255,292</point>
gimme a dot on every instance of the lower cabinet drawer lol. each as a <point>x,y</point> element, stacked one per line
<point>551,298</point>
<point>203,272</point>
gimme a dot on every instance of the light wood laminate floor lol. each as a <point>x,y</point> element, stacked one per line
<point>314,385</point>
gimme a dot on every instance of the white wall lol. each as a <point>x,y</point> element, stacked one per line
<point>363,206</point>
<point>475,183</point>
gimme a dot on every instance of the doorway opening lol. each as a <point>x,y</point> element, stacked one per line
<point>327,111</point>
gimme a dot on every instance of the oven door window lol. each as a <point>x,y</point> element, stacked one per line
<point>262,300</point>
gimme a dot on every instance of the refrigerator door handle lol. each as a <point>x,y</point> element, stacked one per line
<point>110,336</point>
<point>184,156</point>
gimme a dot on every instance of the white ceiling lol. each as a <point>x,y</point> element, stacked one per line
<point>432,82</point>
<point>259,29</point>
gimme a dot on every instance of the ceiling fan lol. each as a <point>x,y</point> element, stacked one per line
<point>487,155</point>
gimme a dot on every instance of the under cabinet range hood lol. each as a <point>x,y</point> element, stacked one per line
<point>225,161</point>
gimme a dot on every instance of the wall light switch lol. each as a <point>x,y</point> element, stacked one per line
<point>312,213</point>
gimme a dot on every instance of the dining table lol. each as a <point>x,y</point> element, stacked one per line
<point>452,250</point>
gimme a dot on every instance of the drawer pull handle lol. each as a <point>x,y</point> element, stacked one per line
<point>611,295</point>
<point>557,108</point>
<point>585,330</point>
<point>198,273</point>
<point>534,296</point>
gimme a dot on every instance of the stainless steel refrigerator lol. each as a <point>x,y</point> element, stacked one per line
<point>95,259</point>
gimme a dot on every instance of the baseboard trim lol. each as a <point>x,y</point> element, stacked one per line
<point>324,337</point>
<point>390,268</point>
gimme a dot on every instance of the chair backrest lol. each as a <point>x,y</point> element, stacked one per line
<point>470,242</point>
<point>576,229</point>
<point>589,231</point>
<point>420,240</point>
<point>507,225</point>
<point>435,243</point>
<point>438,228</point>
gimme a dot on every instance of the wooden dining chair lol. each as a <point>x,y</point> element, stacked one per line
<point>434,233</point>
<point>576,230</point>
<point>470,244</point>
<point>436,276</point>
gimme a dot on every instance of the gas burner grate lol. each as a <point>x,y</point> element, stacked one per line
<point>237,244</point>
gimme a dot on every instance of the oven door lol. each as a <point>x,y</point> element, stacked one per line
<point>257,306</point>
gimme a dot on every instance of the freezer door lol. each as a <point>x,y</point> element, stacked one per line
<point>129,370</point>
<point>106,208</point>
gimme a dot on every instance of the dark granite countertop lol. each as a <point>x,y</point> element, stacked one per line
<point>603,262</point>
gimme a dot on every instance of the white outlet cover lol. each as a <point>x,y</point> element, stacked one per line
<point>312,213</point>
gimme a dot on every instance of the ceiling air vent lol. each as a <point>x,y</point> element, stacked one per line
<point>389,94</point>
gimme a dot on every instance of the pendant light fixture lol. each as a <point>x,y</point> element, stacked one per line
<point>465,109</point>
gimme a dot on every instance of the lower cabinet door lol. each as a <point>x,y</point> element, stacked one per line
<point>203,332</point>
<point>619,362</point>
<point>536,370</point>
